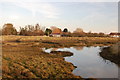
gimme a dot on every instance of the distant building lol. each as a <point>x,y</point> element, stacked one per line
<point>56,32</point>
<point>114,34</point>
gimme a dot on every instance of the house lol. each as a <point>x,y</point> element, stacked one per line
<point>114,34</point>
<point>56,32</point>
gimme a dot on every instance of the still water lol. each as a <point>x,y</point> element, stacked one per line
<point>89,63</point>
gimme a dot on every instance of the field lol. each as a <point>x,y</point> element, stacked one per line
<point>44,41</point>
<point>22,56</point>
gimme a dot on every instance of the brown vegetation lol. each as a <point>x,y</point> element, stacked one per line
<point>23,57</point>
<point>62,53</point>
<point>8,29</point>
<point>62,41</point>
<point>32,62</point>
<point>30,30</point>
<point>111,53</point>
<point>38,30</point>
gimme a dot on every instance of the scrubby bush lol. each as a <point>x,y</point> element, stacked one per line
<point>48,32</point>
<point>30,30</point>
<point>8,29</point>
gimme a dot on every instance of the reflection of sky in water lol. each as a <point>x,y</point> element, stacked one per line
<point>89,63</point>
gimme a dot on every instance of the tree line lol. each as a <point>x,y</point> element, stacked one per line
<point>37,30</point>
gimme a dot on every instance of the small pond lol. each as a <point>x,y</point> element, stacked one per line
<point>89,63</point>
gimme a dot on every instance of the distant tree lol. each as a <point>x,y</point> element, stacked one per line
<point>23,31</point>
<point>48,32</point>
<point>90,32</point>
<point>31,30</point>
<point>65,33</point>
<point>78,33</point>
<point>78,30</point>
<point>38,33</point>
<point>8,29</point>
<point>65,30</point>
<point>37,27</point>
<point>14,31</point>
<point>101,34</point>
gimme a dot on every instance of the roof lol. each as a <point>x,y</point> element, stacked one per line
<point>56,31</point>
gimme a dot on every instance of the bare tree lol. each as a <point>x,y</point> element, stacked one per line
<point>37,27</point>
<point>78,30</point>
<point>31,30</point>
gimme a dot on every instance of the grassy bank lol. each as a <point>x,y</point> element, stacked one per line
<point>111,53</point>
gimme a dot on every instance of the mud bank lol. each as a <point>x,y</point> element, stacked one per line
<point>111,53</point>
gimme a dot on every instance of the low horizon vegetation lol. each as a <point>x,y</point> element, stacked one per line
<point>37,30</point>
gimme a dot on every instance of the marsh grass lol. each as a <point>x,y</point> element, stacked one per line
<point>32,62</point>
<point>24,58</point>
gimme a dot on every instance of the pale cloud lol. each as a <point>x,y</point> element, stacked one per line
<point>46,9</point>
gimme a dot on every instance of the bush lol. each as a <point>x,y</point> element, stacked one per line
<point>8,29</point>
<point>30,30</point>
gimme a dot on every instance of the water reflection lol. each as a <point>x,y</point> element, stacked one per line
<point>71,49</point>
<point>89,63</point>
<point>79,48</point>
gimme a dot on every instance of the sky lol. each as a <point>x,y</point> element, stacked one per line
<point>89,15</point>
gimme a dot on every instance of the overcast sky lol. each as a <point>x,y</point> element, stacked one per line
<point>90,16</point>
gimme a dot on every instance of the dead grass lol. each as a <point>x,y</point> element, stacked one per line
<point>23,57</point>
<point>39,38</point>
<point>43,41</point>
<point>31,62</point>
